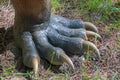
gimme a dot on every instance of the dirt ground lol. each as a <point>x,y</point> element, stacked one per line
<point>11,67</point>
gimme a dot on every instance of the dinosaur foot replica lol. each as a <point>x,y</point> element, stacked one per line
<point>52,39</point>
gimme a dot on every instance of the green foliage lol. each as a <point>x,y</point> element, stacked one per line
<point>52,58</point>
<point>8,70</point>
<point>104,10</point>
<point>99,7</point>
<point>115,25</point>
<point>90,4</point>
<point>57,5</point>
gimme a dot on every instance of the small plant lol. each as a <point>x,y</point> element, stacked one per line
<point>52,58</point>
<point>8,70</point>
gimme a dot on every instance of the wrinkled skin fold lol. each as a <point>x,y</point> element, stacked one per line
<point>51,37</point>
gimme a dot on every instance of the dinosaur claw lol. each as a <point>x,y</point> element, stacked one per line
<point>90,45</point>
<point>67,60</point>
<point>35,62</point>
<point>61,58</point>
<point>30,54</point>
<point>93,34</point>
<point>90,26</point>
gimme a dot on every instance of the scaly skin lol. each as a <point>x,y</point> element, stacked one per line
<point>42,34</point>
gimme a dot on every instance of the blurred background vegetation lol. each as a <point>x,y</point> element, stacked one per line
<point>91,10</point>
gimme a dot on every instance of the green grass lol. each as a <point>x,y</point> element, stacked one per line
<point>57,5</point>
<point>8,70</point>
<point>101,10</point>
<point>115,25</point>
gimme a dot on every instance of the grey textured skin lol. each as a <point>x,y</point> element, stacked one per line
<point>70,45</point>
<point>29,49</point>
<point>75,24</point>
